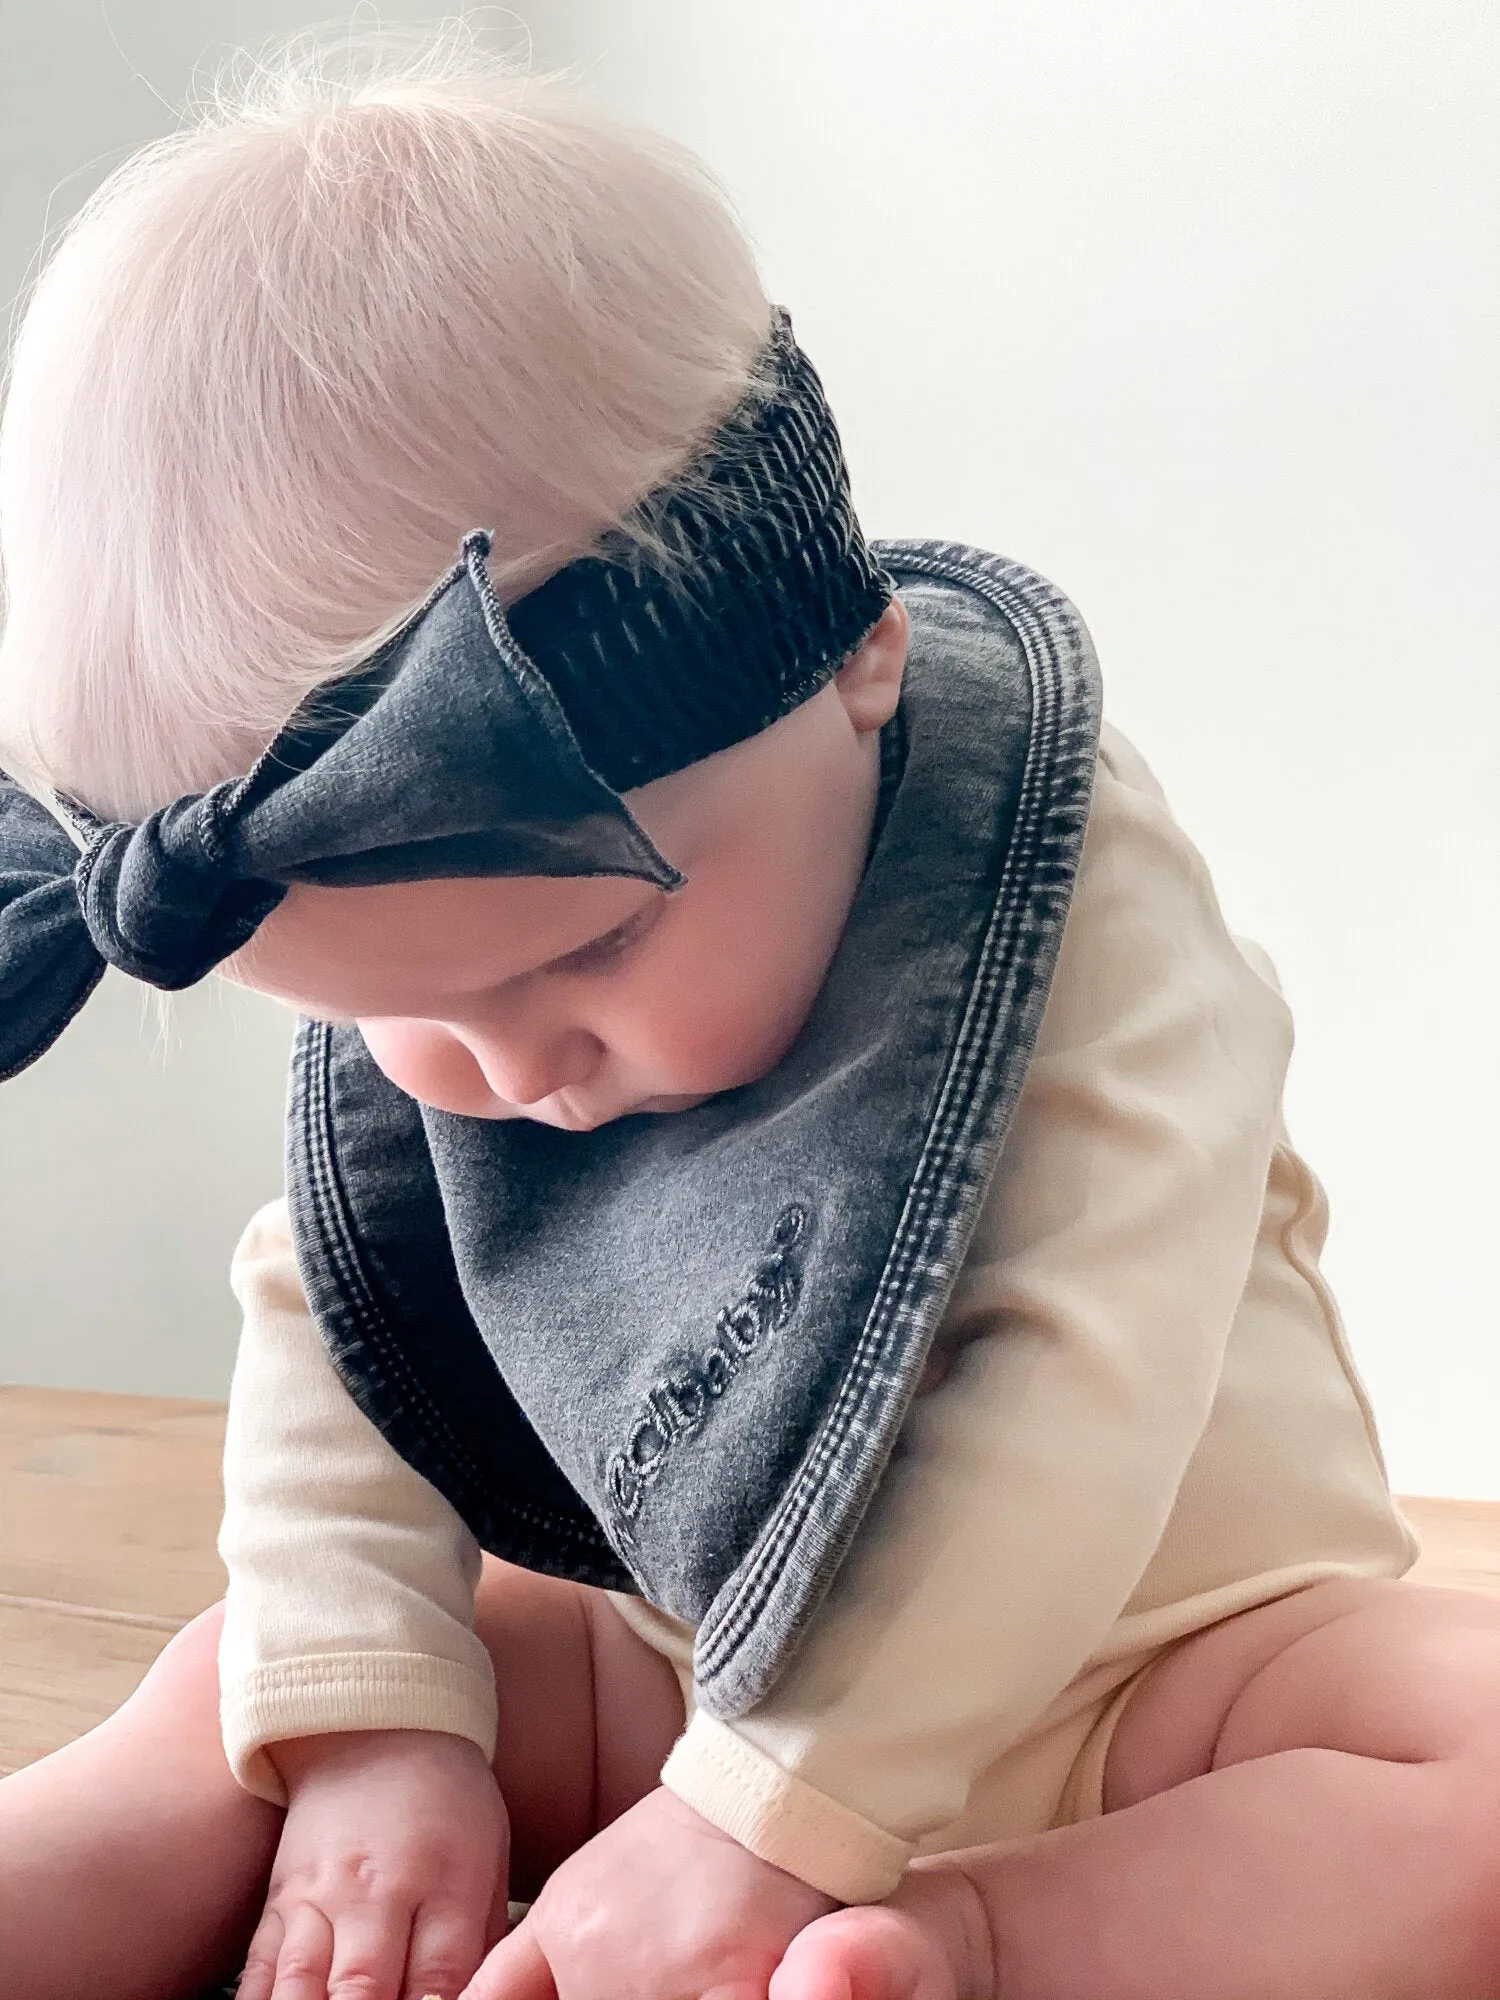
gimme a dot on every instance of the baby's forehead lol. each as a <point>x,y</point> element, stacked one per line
<point>405,947</point>
<point>400,947</point>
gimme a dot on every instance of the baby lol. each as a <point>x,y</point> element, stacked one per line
<point>789,1416</point>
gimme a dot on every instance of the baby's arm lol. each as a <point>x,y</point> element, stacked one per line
<point>353,1688</point>
<point>351,1578</point>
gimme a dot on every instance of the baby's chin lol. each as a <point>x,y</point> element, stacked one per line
<point>564,1117</point>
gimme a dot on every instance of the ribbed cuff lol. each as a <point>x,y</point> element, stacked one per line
<point>780,1817</point>
<point>326,1693</point>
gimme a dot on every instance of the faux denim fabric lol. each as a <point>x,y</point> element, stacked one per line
<point>674,1354</point>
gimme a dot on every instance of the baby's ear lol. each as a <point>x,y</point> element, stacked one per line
<point>869,681</point>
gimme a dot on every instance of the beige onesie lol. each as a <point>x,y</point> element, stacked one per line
<point>1141,1416</point>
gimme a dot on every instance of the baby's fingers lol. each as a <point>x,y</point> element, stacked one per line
<point>301,1954</point>
<point>514,1970</point>
<point>446,1946</point>
<point>259,1975</point>
<point>369,1954</point>
<point>289,1957</point>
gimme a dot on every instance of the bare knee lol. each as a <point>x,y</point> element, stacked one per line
<point>185,1673</point>
<point>196,1647</point>
<point>568,1666</point>
<point>587,1711</point>
<point>638,1709</point>
<point>1408,1673</point>
<point>1188,1714</point>
<point>536,1634</point>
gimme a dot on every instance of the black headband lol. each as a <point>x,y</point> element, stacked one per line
<point>476,742</point>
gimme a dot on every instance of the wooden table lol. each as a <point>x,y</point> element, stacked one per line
<point>108,1510</point>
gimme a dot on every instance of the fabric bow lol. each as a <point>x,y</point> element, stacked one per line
<point>446,753</point>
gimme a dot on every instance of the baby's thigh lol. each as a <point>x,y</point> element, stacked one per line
<point>1374,1667</point>
<point>587,1713</point>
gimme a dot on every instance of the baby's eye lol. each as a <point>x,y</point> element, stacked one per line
<point>600,953</point>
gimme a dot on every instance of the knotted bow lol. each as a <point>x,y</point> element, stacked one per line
<point>446,753</point>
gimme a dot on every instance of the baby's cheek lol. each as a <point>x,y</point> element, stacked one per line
<point>429,1064</point>
<point>719,1034</point>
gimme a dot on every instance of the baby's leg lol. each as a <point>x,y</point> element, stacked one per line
<point>588,1713</point>
<point>132,1866</point>
<point>1303,1804</point>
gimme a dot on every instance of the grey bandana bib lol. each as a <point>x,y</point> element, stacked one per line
<point>674,1354</point>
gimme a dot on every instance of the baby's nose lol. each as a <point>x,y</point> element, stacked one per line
<point>526,1072</point>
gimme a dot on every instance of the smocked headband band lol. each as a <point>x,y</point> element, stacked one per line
<point>472,743</point>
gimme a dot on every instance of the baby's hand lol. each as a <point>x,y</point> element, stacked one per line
<point>659,1906</point>
<point>390,1874</point>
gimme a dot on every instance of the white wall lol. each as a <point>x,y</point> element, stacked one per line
<point>1193,307</point>
<point>132,1155</point>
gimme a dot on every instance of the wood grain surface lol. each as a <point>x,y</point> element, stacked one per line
<point>108,1510</point>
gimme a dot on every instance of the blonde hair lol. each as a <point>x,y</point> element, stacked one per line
<point>377,291</point>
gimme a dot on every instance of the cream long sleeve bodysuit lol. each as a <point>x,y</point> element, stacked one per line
<point>1141,1416</point>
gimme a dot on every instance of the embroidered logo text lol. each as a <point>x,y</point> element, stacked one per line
<point>679,1403</point>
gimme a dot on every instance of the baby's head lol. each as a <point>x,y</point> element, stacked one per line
<point>275,369</point>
